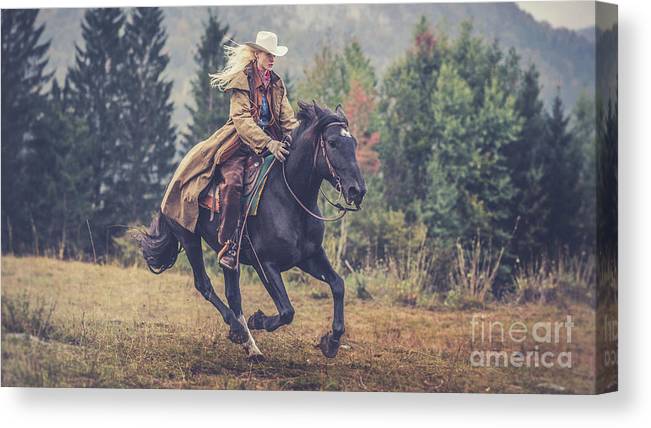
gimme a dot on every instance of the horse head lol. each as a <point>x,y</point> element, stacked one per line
<point>334,150</point>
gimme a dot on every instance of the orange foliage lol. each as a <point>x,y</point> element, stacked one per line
<point>359,105</point>
<point>426,41</point>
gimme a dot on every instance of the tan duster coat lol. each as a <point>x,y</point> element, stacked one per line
<point>195,171</point>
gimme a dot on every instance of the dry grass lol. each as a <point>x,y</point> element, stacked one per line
<point>126,328</point>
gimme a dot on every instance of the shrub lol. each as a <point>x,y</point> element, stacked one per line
<point>552,281</point>
<point>607,281</point>
<point>459,299</point>
<point>21,316</point>
<point>128,251</point>
<point>475,269</point>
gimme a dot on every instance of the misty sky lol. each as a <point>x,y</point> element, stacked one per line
<point>570,14</point>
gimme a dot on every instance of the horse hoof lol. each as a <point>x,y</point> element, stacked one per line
<point>237,333</point>
<point>256,321</point>
<point>256,358</point>
<point>329,347</point>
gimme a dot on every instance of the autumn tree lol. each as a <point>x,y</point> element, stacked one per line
<point>360,106</point>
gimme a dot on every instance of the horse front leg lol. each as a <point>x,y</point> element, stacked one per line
<point>319,267</point>
<point>276,289</point>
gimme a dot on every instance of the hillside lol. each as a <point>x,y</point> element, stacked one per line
<point>72,324</point>
<point>564,58</point>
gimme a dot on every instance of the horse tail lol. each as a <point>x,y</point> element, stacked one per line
<point>159,246</point>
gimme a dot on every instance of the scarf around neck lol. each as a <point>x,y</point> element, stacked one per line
<point>264,75</point>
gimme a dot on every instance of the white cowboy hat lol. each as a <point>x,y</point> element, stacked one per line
<point>268,42</point>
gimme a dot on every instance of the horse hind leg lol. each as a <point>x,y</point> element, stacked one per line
<point>253,354</point>
<point>232,288</point>
<point>208,230</point>
<point>192,244</point>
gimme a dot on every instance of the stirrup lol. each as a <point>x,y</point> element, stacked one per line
<point>227,256</point>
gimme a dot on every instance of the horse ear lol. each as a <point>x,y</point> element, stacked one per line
<point>302,105</point>
<point>319,111</point>
<point>340,111</point>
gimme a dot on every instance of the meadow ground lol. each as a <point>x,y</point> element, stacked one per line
<point>72,324</point>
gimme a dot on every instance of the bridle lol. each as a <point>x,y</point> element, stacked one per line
<point>320,143</point>
<point>342,209</point>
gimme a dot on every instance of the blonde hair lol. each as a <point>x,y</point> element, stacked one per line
<point>237,58</point>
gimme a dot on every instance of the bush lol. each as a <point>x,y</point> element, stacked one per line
<point>570,278</point>
<point>21,316</point>
<point>458,299</point>
<point>128,251</point>
<point>129,254</point>
<point>607,281</point>
<point>475,270</point>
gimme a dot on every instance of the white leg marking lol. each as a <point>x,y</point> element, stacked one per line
<point>250,347</point>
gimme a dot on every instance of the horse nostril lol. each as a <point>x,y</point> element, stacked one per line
<point>353,192</point>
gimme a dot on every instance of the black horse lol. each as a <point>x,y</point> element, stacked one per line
<point>283,234</point>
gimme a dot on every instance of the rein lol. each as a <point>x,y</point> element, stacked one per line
<point>333,173</point>
<point>342,209</point>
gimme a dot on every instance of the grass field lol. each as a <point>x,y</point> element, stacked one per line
<point>72,324</point>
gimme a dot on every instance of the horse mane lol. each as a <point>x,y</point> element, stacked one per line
<point>306,112</point>
<point>311,122</point>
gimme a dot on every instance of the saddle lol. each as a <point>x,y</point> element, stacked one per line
<point>254,182</point>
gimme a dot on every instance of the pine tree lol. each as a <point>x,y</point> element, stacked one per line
<point>23,80</point>
<point>148,133</point>
<point>452,151</point>
<point>607,154</point>
<point>470,182</point>
<point>211,106</point>
<point>325,80</point>
<point>58,171</point>
<point>509,71</point>
<point>583,132</point>
<point>329,78</point>
<point>409,125</point>
<point>358,67</point>
<point>475,61</point>
<point>526,157</point>
<point>560,179</point>
<point>498,126</point>
<point>97,97</point>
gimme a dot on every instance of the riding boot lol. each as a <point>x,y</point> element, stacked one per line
<point>228,255</point>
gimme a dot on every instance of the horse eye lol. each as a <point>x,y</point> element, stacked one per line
<point>332,143</point>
